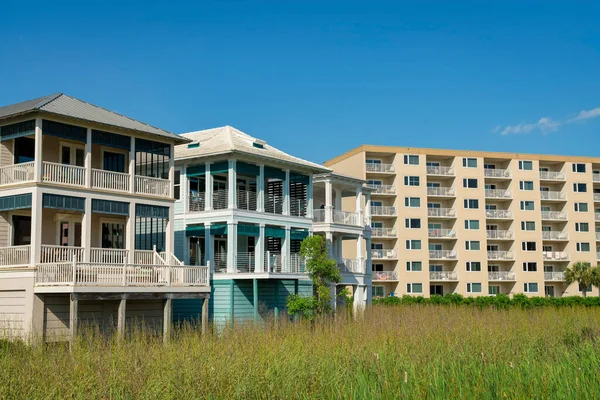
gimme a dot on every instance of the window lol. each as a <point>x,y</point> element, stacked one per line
<point>583,247</point>
<point>413,245</point>
<point>472,245</point>
<point>411,181</point>
<point>526,165</point>
<point>412,223</point>
<point>177,184</point>
<point>113,235</point>
<point>529,267</point>
<point>473,266</point>
<point>530,287</point>
<point>414,202</point>
<point>472,224</point>
<point>470,162</point>
<point>577,167</point>
<point>582,227</point>
<point>588,289</point>
<point>24,150</point>
<point>526,185</point>
<point>470,183</point>
<point>373,161</point>
<point>472,204</point>
<point>435,268</point>
<point>414,288</point>
<point>528,225</point>
<point>493,290</point>
<point>580,187</point>
<point>581,207</point>
<point>374,182</point>
<point>474,288</point>
<point>378,291</point>
<point>414,266</point>
<point>411,160</point>
<point>528,246</point>
<point>527,205</point>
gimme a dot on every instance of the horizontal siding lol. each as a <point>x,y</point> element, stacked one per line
<point>178,208</point>
<point>56,317</point>
<point>180,240</point>
<point>12,313</point>
<point>4,229</point>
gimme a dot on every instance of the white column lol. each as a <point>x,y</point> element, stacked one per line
<point>209,247</point>
<point>338,248</point>
<point>132,166</point>
<point>86,230</point>
<point>231,247</point>
<point>184,188</point>
<point>88,159</point>
<point>232,181</point>
<point>359,249</point>
<point>359,212</point>
<point>329,240</point>
<point>328,201</point>
<point>36,226</point>
<point>170,232</point>
<point>287,245</point>
<point>130,233</point>
<point>309,197</point>
<point>338,199</point>
<point>38,166</point>
<point>260,186</point>
<point>172,170</point>
<point>368,208</point>
<point>286,193</point>
<point>259,251</point>
<point>208,189</point>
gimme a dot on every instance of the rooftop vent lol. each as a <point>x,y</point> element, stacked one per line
<point>259,144</point>
<point>193,145</point>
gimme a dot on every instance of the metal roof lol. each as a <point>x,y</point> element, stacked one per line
<point>61,104</point>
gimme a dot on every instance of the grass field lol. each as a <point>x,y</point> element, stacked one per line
<point>393,352</point>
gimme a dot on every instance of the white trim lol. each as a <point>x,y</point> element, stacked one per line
<point>72,145</point>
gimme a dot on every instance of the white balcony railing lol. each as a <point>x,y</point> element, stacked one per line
<point>555,235</point>
<point>554,215</point>
<point>298,206</point>
<point>380,276</point>
<point>442,233</point>
<point>352,266</point>
<point>597,216</point>
<point>501,276</point>
<point>552,176</point>
<point>499,214</point>
<point>247,200</point>
<point>15,256</point>
<point>441,212</point>
<point>496,173</point>
<point>196,201</point>
<point>17,173</point>
<point>500,235</point>
<point>152,186</point>
<point>443,276</point>
<point>273,203</point>
<point>58,254</point>
<point>109,180</point>
<point>346,218</point>
<point>221,199</point>
<point>380,167</point>
<point>441,191</point>
<point>554,276</point>
<point>441,171</point>
<point>555,255</point>
<point>383,232</point>
<point>553,195</point>
<point>383,254</point>
<point>596,177</point>
<point>109,256</point>
<point>245,262</point>
<point>71,175</point>
<point>442,255</point>
<point>497,194</point>
<point>383,189</point>
<point>500,255</point>
<point>383,210</point>
<point>145,257</point>
<point>597,197</point>
<point>598,236</point>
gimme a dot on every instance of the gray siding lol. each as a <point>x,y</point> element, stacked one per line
<point>12,313</point>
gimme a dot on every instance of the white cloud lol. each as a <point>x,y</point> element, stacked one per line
<point>544,125</point>
<point>584,115</point>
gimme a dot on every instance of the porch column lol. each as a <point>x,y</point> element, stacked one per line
<point>88,159</point>
<point>184,190</point>
<point>338,199</point>
<point>37,335</point>
<point>261,188</point>
<point>38,166</point>
<point>130,234</point>
<point>231,247</point>
<point>255,298</point>
<point>86,230</point>
<point>167,319</point>
<point>208,188</point>
<point>208,247</point>
<point>368,208</point>
<point>368,266</point>
<point>232,184</point>
<point>328,201</point>
<point>172,170</point>
<point>359,300</point>
<point>121,317</point>
<point>287,253</point>
<point>205,315</point>
<point>359,251</point>
<point>338,248</point>
<point>36,226</point>
<point>73,317</point>
<point>286,193</point>
<point>132,166</point>
<point>309,198</point>
<point>329,240</point>
<point>170,232</point>
<point>259,251</point>
<point>359,211</point>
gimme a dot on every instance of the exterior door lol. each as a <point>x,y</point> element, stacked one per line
<point>114,162</point>
<point>21,230</point>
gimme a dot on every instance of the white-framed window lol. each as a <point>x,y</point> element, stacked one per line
<point>414,266</point>
<point>472,224</point>
<point>528,225</point>
<point>410,159</point>
<point>72,154</point>
<point>529,267</point>
<point>493,290</point>
<point>579,167</point>
<point>580,187</point>
<point>526,165</point>
<point>472,245</point>
<point>528,246</point>
<point>583,247</point>
<point>582,227</point>
<point>435,268</point>
<point>378,291</point>
<point>374,182</point>
<point>412,223</point>
<point>527,205</point>
<point>473,266</point>
<point>413,202</point>
<point>413,244</point>
<point>373,161</point>
<point>414,288</point>
<point>530,287</point>
<point>177,185</point>
<point>470,183</point>
<point>474,287</point>
<point>412,181</point>
<point>469,162</point>
<point>581,207</point>
<point>526,185</point>
<point>471,204</point>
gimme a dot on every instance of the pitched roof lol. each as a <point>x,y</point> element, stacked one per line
<point>61,104</point>
<point>227,139</point>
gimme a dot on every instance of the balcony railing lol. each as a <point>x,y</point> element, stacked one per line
<point>17,173</point>
<point>500,255</point>
<point>499,214</point>
<point>383,232</point>
<point>245,262</point>
<point>554,276</point>
<point>555,235</point>
<point>441,171</point>
<point>352,266</point>
<point>247,200</point>
<point>596,177</point>
<point>15,256</point>
<point>298,206</point>
<point>383,210</point>
<point>380,276</point>
<point>442,255</point>
<point>442,233</point>
<point>382,254</point>
<point>152,186</point>
<point>555,255</point>
<point>598,236</point>
<point>441,212</point>
<point>109,180</point>
<point>441,191</point>
<point>380,167</point>
<point>552,176</point>
<point>147,257</point>
<point>497,194</point>
<point>196,201</point>
<point>109,256</point>
<point>71,175</point>
<point>500,235</point>
<point>496,173</point>
<point>443,276</point>
<point>597,216</point>
<point>554,215</point>
<point>553,195</point>
<point>346,218</point>
<point>597,197</point>
<point>383,189</point>
<point>273,204</point>
<point>58,254</point>
<point>221,199</point>
<point>501,276</point>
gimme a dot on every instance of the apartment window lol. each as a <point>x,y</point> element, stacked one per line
<point>411,160</point>
<point>470,162</point>
<point>378,291</point>
<point>435,268</point>
<point>414,288</point>
<point>493,290</point>
<point>526,185</point>
<point>580,187</point>
<point>373,161</point>
<point>588,289</point>
<point>413,245</point>
<point>472,204</point>
<point>527,205</point>
<point>412,223</point>
<point>473,266</point>
<point>413,202</point>
<point>470,183</point>
<point>529,267</point>
<point>377,267</point>
<point>177,184</point>
<point>414,266</point>
<point>530,287</point>
<point>528,225</point>
<point>374,182</point>
<point>528,246</point>
<point>577,167</point>
<point>474,287</point>
<point>472,224</point>
<point>582,227</point>
<point>581,207</point>
<point>583,247</point>
<point>472,245</point>
<point>526,165</point>
<point>411,181</point>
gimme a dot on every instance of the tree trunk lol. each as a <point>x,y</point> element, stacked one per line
<point>584,291</point>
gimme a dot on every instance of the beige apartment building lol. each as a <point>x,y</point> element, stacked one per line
<point>476,223</point>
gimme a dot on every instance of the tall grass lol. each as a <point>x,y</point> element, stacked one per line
<point>419,351</point>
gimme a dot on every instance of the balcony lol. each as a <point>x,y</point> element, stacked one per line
<point>346,218</point>
<point>440,192</point>
<point>441,212</point>
<point>440,171</point>
<point>554,276</point>
<point>442,255</point>
<point>553,195</point>
<point>442,234</point>
<point>383,254</point>
<point>500,255</point>
<point>555,256</point>
<point>380,168</point>
<point>552,176</point>
<point>443,276</point>
<point>352,266</point>
<point>501,276</point>
<point>555,235</point>
<point>17,173</point>
<point>500,235</point>
<point>596,177</point>
<point>554,216</point>
<point>497,173</point>
<point>598,236</point>
<point>383,189</point>
<point>383,232</point>
<point>597,197</point>
<point>597,216</point>
<point>498,214</point>
<point>497,194</point>
<point>15,256</point>
<point>383,211</point>
<point>382,276</point>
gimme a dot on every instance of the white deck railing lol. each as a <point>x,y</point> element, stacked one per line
<point>501,276</point>
<point>297,264</point>
<point>383,254</point>
<point>109,256</point>
<point>500,235</point>
<point>380,167</point>
<point>555,255</point>
<point>496,173</point>
<point>245,262</point>
<point>442,254</point>
<point>442,171</point>
<point>247,200</point>
<point>57,254</point>
<point>497,194</point>
<point>597,197</point>
<point>552,176</point>
<point>554,276</point>
<point>500,255</point>
<point>443,276</point>
<point>596,177</point>
<point>379,276</point>
<point>442,233</point>
<point>440,191</point>
<point>597,216</point>
<point>298,206</point>
<point>346,218</point>
<point>555,235</point>
<point>110,180</point>
<point>352,266</point>
<point>15,255</point>
<point>63,174</point>
<point>553,195</point>
<point>383,189</point>
<point>383,210</point>
<point>152,186</point>
<point>441,212</point>
<point>554,215</point>
<point>144,257</point>
<point>169,258</point>
<point>196,201</point>
<point>499,214</point>
<point>383,232</point>
<point>17,173</point>
<point>319,215</point>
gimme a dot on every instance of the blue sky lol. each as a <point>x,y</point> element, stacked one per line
<point>317,78</point>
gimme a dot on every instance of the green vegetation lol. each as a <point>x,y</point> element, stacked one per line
<point>499,301</point>
<point>584,274</point>
<point>418,351</point>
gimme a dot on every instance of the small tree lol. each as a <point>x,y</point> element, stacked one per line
<point>323,271</point>
<point>584,274</point>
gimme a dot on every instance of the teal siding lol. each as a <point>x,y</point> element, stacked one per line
<point>179,247</point>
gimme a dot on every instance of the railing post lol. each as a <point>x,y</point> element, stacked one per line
<point>169,275</point>
<point>124,271</point>
<point>74,264</point>
<point>268,261</point>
